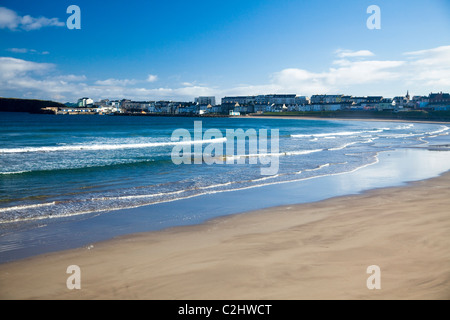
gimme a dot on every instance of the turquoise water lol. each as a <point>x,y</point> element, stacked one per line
<point>64,166</point>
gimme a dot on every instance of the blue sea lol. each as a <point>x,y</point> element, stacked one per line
<point>55,169</point>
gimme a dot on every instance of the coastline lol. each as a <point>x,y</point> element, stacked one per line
<point>229,247</point>
<point>310,251</point>
<point>390,168</point>
<point>342,119</point>
<point>253,116</point>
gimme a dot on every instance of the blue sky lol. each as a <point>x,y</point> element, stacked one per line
<point>177,50</point>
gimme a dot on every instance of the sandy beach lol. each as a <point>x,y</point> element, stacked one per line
<point>311,251</point>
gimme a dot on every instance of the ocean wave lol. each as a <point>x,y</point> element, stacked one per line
<point>14,172</point>
<point>104,147</point>
<point>343,146</point>
<point>142,196</point>
<point>441,130</point>
<point>278,154</point>
<point>404,127</point>
<point>319,167</point>
<point>335,134</point>
<point>416,134</point>
<point>27,207</point>
<point>108,204</point>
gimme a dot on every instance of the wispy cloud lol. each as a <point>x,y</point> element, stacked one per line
<point>431,67</point>
<point>152,78</point>
<point>71,78</point>
<point>25,50</point>
<point>116,82</point>
<point>354,54</point>
<point>9,19</point>
<point>18,50</point>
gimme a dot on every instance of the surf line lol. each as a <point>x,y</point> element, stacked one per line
<point>234,148</point>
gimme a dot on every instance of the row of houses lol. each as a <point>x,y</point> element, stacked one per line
<point>238,105</point>
<point>271,99</point>
<point>249,104</point>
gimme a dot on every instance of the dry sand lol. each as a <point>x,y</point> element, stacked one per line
<point>313,251</point>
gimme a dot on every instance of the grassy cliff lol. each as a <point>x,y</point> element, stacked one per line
<point>23,105</point>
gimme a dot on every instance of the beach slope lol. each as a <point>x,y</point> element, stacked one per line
<point>313,251</point>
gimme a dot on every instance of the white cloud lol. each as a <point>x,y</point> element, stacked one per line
<point>152,78</point>
<point>9,19</point>
<point>354,54</point>
<point>439,51</point>
<point>11,68</point>
<point>431,67</point>
<point>346,74</point>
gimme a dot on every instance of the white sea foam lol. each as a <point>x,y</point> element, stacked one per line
<point>335,134</point>
<point>441,130</point>
<point>97,147</point>
<point>14,172</point>
<point>319,167</point>
<point>124,207</point>
<point>27,207</point>
<point>279,154</point>
<point>370,140</point>
<point>404,127</point>
<point>136,197</point>
<point>301,152</point>
<point>343,146</point>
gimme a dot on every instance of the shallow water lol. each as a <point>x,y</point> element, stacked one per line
<point>68,181</point>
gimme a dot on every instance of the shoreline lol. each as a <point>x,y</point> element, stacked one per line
<point>342,119</point>
<point>390,168</point>
<point>295,117</point>
<point>316,250</point>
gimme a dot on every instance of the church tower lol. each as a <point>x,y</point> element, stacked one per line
<point>408,97</point>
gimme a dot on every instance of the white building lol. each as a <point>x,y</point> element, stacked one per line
<point>85,102</point>
<point>116,105</point>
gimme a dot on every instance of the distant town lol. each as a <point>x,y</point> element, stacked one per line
<point>261,104</point>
